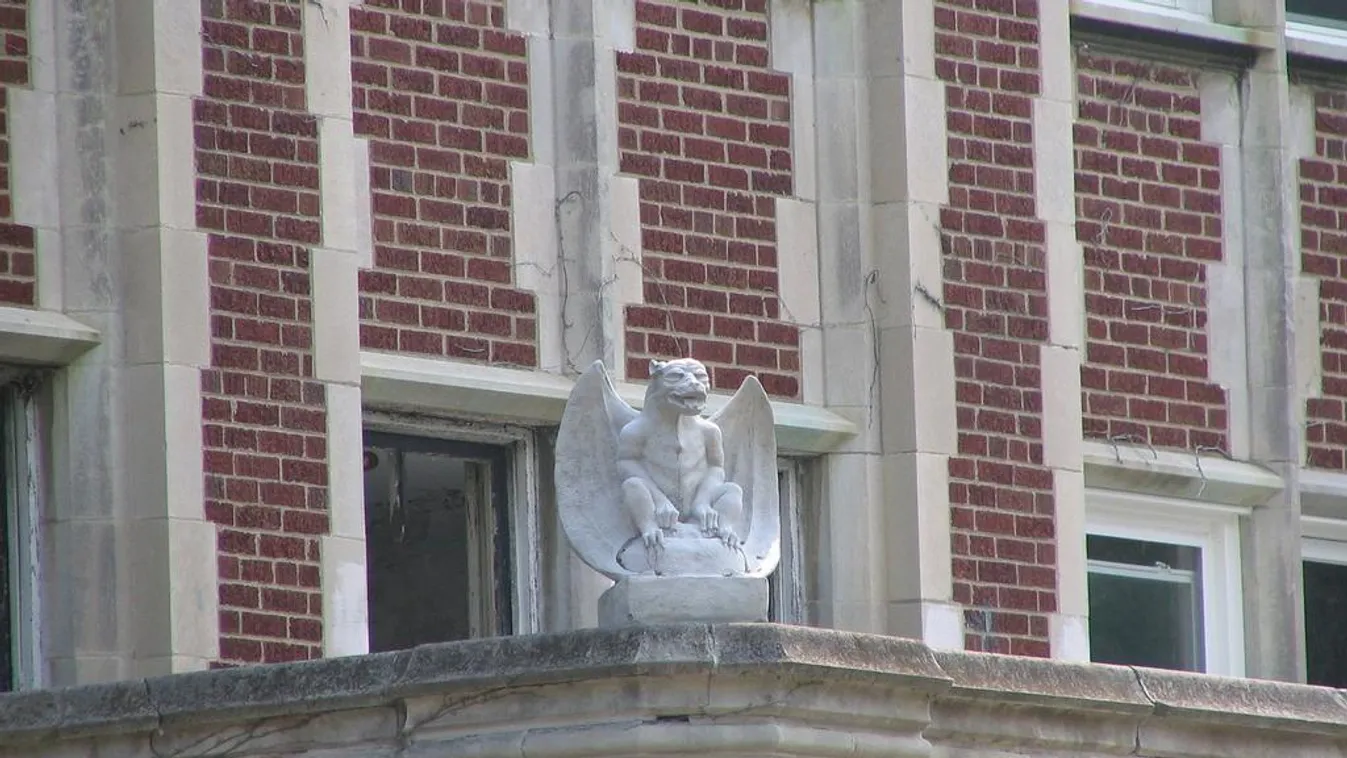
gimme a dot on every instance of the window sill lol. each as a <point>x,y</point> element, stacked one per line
<point>427,385</point>
<point>1138,469</point>
<point>1168,21</point>
<point>47,338</point>
<point>1312,41</point>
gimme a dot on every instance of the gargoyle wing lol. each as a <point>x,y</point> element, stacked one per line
<point>589,486</point>
<point>749,432</point>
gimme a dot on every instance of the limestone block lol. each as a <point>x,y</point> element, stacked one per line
<point>641,600</point>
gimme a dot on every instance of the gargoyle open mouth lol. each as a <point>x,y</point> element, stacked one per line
<point>689,398</point>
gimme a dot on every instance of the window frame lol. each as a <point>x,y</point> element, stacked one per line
<point>23,481</point>
<point>1198,10</point>
<point>788,584</point>
<point>1213,529</point>
<point>1322,540</point>
<point>521,492</point>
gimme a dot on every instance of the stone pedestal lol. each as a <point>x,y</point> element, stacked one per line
<point>671,599</point>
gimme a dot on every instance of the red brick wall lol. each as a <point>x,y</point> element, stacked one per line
<point>441,93</point>
<point>264,415</point>
<point>705,123</point>
<point>17,243</point>
<point>995,295</point>
<point>1148,208</point>
<point>1323,239</point>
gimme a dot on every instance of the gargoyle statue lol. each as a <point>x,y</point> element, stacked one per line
<point>665,490</point>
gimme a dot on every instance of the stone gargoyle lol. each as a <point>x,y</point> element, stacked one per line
<point>665,490</point>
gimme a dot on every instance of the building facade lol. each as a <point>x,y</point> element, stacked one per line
<point>1048,295</point>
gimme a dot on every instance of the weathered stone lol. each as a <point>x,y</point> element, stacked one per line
<point>646,600</point>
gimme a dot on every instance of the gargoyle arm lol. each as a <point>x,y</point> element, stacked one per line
<point>631,459</point>
<point>715,468</point>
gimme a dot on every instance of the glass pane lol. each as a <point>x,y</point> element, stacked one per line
<point>1139,553</point>
<point>1335,10</point>
<point>1145,603</point>
<point>416,537</point>
<point>1326,623</point>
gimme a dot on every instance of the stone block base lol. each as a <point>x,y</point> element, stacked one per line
<point>640,600</point>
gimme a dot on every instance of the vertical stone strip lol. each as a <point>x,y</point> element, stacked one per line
<point>263,409</point>
<point>441,91</point>
<point>705,122</point>
<point>996,303</point>
<point>1063,451</point>
<point>18,242</point>
<point>909,183</point>
<point>343,177</point>
<point>1270,536</point>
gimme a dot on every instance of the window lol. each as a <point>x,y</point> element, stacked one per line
<point>1318,12</point>
<point>1145,603</point>
<point>1325,590</point>
<point>438,540</point>
<point>787,585</point>
<point>1164,583</point>
<point>20,475</point>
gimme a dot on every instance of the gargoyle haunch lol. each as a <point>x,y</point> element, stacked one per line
<point>665,490</point>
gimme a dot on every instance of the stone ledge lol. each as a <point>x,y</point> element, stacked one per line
<point>46,338</point>
<point>1140,469</point>
<point>1034,681</point>
<point>280,690</point>
<point>523,396</point>
<point>1156,19</point>
<point>837,675</point>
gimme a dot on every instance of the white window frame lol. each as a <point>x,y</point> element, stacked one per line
<point>1323,540</point>
<point>525,533</point>
<point>1214,529</point>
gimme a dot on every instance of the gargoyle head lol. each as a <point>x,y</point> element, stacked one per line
<point>681,385</point>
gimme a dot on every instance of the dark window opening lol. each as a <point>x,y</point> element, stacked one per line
<point>1313,11</point>
<point>8,554</point>
<point>1145,603</point>
<point>1326,623</point>
<point>437,540</point>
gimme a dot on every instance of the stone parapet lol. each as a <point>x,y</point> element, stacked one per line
<point>738,689</point>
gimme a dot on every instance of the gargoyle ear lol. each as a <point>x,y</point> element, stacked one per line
<point>656,366</point>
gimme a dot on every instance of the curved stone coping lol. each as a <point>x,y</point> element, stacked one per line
<point>259,692</point>
<point>399,382</point>
<point>834,659</point>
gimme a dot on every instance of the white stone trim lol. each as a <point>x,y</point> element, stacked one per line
<point>334,268</point>
<point>1141,470</point>
<point>1156,18</point>
<point>396,382</point>
<point>791,46</point>
<point>797,269</point>
<point>1228,345</point>
<point>43,337</point>
<point>1323,540</point>
<point>1212,528</point>
<point>1323,493</point>
<point>536,261</point>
